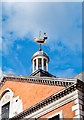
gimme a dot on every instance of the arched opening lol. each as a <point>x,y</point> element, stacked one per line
<point>5,98</point>
<point>39,63</point>
<point>4,93</point>
<point>7,101</point>
<point>44,64</point>
<point>35,64</point>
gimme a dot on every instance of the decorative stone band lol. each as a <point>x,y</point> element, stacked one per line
<point>39,80</point>
<point>40,55</point>
<point>50,99</point>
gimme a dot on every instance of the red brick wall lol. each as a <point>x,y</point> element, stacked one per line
<point>67,111</point>
<point>30,93</point>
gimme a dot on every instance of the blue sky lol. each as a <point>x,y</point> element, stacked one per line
<point>62,22</point>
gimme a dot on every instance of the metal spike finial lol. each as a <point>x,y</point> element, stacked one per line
<point>40,48</point>
<point>40,34</point>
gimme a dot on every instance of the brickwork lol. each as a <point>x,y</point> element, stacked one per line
<point>66,109</point>
<point>30,93</point>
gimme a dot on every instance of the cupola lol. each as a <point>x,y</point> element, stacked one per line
<point>40,61</point>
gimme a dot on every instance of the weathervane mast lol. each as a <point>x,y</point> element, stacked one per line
<point>39,40</point>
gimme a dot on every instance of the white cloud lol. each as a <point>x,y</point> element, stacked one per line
<point>68,73</point>
<point>0,43</point>
<point>8,71</point>
<point>19,47</point>
<point>0,72</point>
<point>42,1</point>
<point>0,26</point>
<point>21,66</point>
<point>59,20</point>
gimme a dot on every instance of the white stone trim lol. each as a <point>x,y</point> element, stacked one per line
<point>7,89</point>
<point>78,116</point>
<point>78,101</point>
<point>77,108</point>
<point>79,112</point>
<point>40,57</point>
<point>15,103</point>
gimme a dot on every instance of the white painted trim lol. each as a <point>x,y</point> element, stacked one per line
<point>78,116</point>
<point>15,103</point>
<point>79,112</point>
<point>77,108</point>
<point>7,89</point>
<point>78,101</point>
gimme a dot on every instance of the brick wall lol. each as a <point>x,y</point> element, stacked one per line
<point>66,110</point>
<point>30,93</point>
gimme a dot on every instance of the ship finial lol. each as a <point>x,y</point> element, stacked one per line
<point>39,40</point>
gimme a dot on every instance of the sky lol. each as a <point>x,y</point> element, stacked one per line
<point>22,21</point>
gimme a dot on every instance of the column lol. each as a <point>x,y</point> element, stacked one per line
<point>37,64</point>
<point>42,63</point>
<point>46,65</point>
<point>33,66</point>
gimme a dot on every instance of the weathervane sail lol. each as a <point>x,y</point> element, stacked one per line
<point>39,40</point>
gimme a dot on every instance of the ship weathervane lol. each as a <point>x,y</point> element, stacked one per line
<point>41,40</point>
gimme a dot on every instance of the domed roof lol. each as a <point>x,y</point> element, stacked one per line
<point>40,53</point>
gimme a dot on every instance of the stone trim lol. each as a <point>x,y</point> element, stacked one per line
<point>15,103</point>
<point>79,104</point>
<point>47,101</point>
<point>5,91</point>
<point>40,55</point>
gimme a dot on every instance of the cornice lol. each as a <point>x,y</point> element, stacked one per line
<point>40,55</point>
<point>38,80</point>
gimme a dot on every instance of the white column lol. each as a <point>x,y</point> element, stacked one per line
<point>37,64</point>
<point>33,66</point>
<point>46,65</point>
<point>42,63</point>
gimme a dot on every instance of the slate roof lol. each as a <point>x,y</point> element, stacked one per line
<point>80,76</point>
<point>42,73</point>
